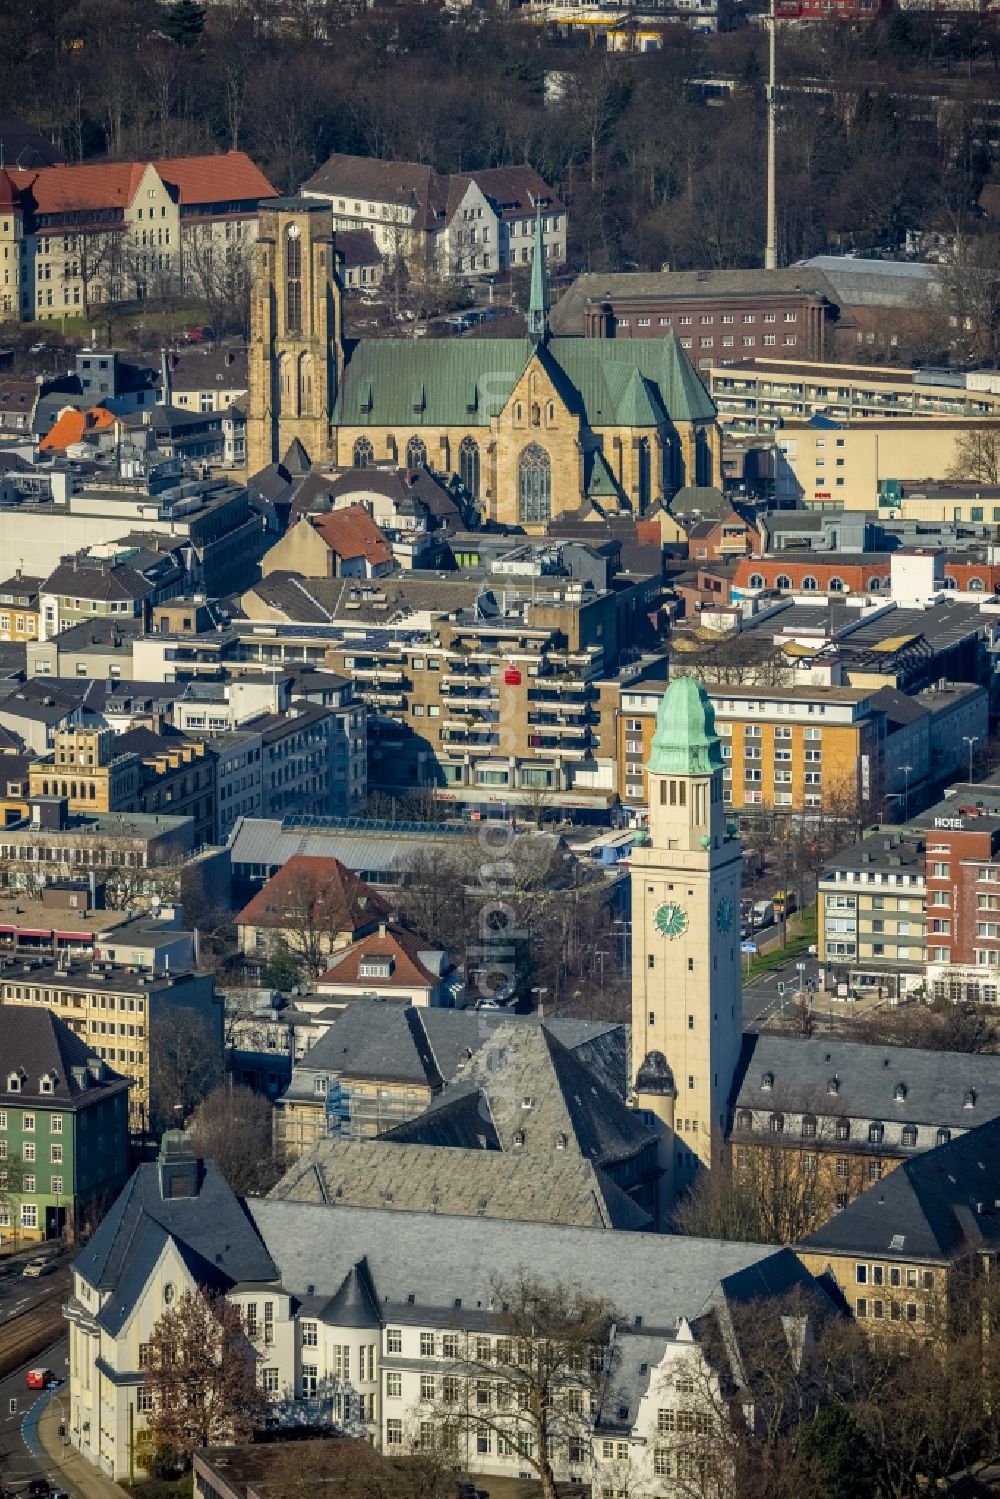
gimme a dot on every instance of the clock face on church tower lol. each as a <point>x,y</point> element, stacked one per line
<point>671,919</point>
<point>724,914</point>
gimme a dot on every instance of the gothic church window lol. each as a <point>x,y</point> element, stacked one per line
<point>293,281</point>
<point>416,453</point>
<point>534,485</point>
<point>468,465</point>
<point>364,453</point>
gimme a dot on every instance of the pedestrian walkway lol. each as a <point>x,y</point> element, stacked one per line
<point>70,1469</point>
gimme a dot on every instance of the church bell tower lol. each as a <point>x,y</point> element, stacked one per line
<point>687,1007</point>
<point>296,345</point>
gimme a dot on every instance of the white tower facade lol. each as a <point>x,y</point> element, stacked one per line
<point>687,1003</point>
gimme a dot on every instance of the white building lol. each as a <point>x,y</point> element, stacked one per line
<point>392,1324</point>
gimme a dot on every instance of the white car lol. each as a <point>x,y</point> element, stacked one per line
<point>34,1268</point>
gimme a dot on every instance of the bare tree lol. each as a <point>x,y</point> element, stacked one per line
<point>11,1191</point>
<point>719,660</point>
<point>544,1367</point>
<point>186,1065</point>
<point>977,456</point>
<point>220,272</point>
<point>232,1127</point>
<point>201,1372</point>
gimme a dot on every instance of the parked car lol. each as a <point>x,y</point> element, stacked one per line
<point>41,1379</point>
<point>37,1267</point>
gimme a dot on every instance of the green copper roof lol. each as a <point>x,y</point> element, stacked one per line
<point>464,382</point>
<point>601,484</point>
<point>685,742</point>
<point>538,304</point>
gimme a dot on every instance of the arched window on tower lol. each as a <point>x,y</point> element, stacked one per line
<point>416,453</point>
<point>468,466</point>
<point>285,403</point>
<point>534,485</point>
<point>293,280</point>
<point>364,453</point>
<point>305,382</point>
<point>644,471</point>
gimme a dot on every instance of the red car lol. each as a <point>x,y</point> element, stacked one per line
<point>41,1379</point>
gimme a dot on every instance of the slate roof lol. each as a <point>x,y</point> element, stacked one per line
<point>513,191</point>
<point>325,600</point>
<point>407,183</point>
<point>419,1262</point>
<point>484,1182</point>
<point>208,367</point>
<point>900,708</point>
<point>467,382</point>
<point>37,1042</point>
<point>937,1082</point>
<point>938,1206</point>
<point>876,283</point>
<point>357,247</point>
<point>89,580</point>
<point>540,1098</point>
<point>24,146</point>
<point>214,1234</point>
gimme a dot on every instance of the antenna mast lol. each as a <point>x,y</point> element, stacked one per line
<point>771,249</point>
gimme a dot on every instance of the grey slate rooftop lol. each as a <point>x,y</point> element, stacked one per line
<point>35,1044</point>
<point>939,1206</point>
<point>937,1084</point>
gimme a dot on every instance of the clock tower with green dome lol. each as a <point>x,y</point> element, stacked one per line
<point>687,1010</point>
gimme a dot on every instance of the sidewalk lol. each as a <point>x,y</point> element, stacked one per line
<point>71,1470</point>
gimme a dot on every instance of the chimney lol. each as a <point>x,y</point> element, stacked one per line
<point>164,378</point>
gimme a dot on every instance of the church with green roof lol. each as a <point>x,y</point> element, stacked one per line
<point>537,428</point>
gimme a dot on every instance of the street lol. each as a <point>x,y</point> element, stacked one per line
<point>19,1411</point>
<point>19,1295</point>
<point>763,1001</point>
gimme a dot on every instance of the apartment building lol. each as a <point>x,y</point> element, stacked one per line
<point>863,461</point>
<point>468,224</point>
<point>19,611</point>
<point>500,691</point>
<point>63,1129</point>
<point>95,770</point>
<point>402,1305</point>
<point>790,749</point>
<point>75,236</point>
<point>871,916</point>
<point>758,395</point>
<point>113,1009</point>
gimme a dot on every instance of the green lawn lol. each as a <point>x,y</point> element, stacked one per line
<point>802,936</point>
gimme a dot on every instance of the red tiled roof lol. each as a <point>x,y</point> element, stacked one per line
<point>339,895</point>
<point>7,202</point>
<point>196,180</point>
<point>352,533</point>
<point>394,942</point>
<point>72,425</point>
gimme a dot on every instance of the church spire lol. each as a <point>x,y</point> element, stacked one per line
<point>538,306</point>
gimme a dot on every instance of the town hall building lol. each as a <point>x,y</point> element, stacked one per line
<point>536,428</point>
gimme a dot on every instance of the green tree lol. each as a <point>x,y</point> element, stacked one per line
<point>839,1456</point>
<point>282,971</point>
<point>182,22</point>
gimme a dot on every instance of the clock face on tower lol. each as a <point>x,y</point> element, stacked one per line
<point>724,914</point>
<point>671,919</point>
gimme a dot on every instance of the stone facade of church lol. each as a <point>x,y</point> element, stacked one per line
<point>536,427</point>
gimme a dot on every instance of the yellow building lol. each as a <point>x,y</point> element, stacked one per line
<point>871,915</point>
<point>535,428</point>
<point>790,749</point>
<point>844,467</point>
<point>84,768</point>
<point>19,607</point>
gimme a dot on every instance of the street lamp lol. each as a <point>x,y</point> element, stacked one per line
<point>538,991</point>
<point>970,740</point>
<point>906,790</point>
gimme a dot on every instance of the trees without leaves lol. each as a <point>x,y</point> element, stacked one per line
<point>546,1363</point>
<point>201,1371</point>
<point>232,1127</point>
<point>186,1065</point>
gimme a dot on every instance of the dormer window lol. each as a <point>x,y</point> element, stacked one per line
<point>376,968</point>
<point>969,1101</point>
<point>45,1083</point>
<point>518,1139</point>
<point>899,1093</point>
<point>13,1082</point>
<point>833,1086</point>
<point>562,1140</point>
<point>527,1103</point>
<point>767,1081</point>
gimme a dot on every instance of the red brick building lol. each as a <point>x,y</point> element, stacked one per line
<point>963,891</point>
<point>728,536</point>
<point>827,10</point>
<point>819,572</point>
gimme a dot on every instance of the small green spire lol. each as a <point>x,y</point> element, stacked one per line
<point>685,742</point>
<point>538,306</point>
